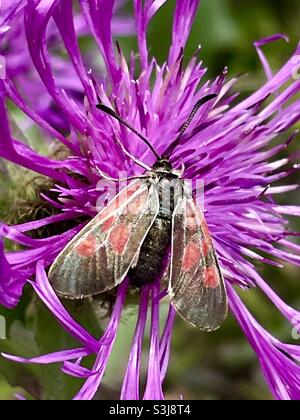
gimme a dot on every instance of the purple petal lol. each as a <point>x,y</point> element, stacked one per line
<point>99,16</point>
<point>261,43</point>
<point>281,371</point>
<point>165,344</point>
<point>153,387</point>
<point>131,384</point>
<point>10,286</point>
<point>48,296</point>
<point>143,15</point>
<point>92,384</point>
<point>184,16</point>
<point>77,371</point>
<point>57,357</point>
<point>37,18</point>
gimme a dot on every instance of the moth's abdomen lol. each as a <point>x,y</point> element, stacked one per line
<point>150,262</point>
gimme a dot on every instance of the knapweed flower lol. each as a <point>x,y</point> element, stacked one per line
<point>22,74</point>
<point>233,148</point>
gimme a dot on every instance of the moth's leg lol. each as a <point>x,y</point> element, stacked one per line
<point>131,178</point>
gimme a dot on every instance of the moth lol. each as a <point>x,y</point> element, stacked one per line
<point>156,213</point>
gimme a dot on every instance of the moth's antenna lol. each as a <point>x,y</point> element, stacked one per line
<point>185,126</point>
<point>113,114</point>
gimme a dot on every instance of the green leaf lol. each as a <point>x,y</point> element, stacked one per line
<point>21,342</point>
<point>51,337</point>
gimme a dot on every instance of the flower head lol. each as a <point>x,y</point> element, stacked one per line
<point>27,90</point>
<point>232,147</point>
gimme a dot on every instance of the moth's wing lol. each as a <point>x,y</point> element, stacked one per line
<point>196,286</point>
<point>99,257</point>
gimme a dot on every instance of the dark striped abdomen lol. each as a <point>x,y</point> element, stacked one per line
<point>151,259</point>
<point>150,262</point>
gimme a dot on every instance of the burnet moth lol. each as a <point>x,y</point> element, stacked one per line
<point>132,235</point>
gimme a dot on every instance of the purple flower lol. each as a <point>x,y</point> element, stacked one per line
<point>22,75</point>
<point>231,147</point>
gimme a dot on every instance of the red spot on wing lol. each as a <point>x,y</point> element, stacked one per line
<point>119,237</point>
<point>210,278</point>
<point>108,224</point>
<point>196,219</point>
<point>191,257</point>
<point>87,247</point>
<point>206,248</point>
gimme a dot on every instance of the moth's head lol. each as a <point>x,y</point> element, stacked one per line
<point>163,165</point>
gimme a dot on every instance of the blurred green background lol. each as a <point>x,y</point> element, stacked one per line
<point>203,366</point>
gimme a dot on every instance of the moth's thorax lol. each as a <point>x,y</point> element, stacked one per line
<point>163,168</point>
<point>162,165</point>
<point>152,253</point>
